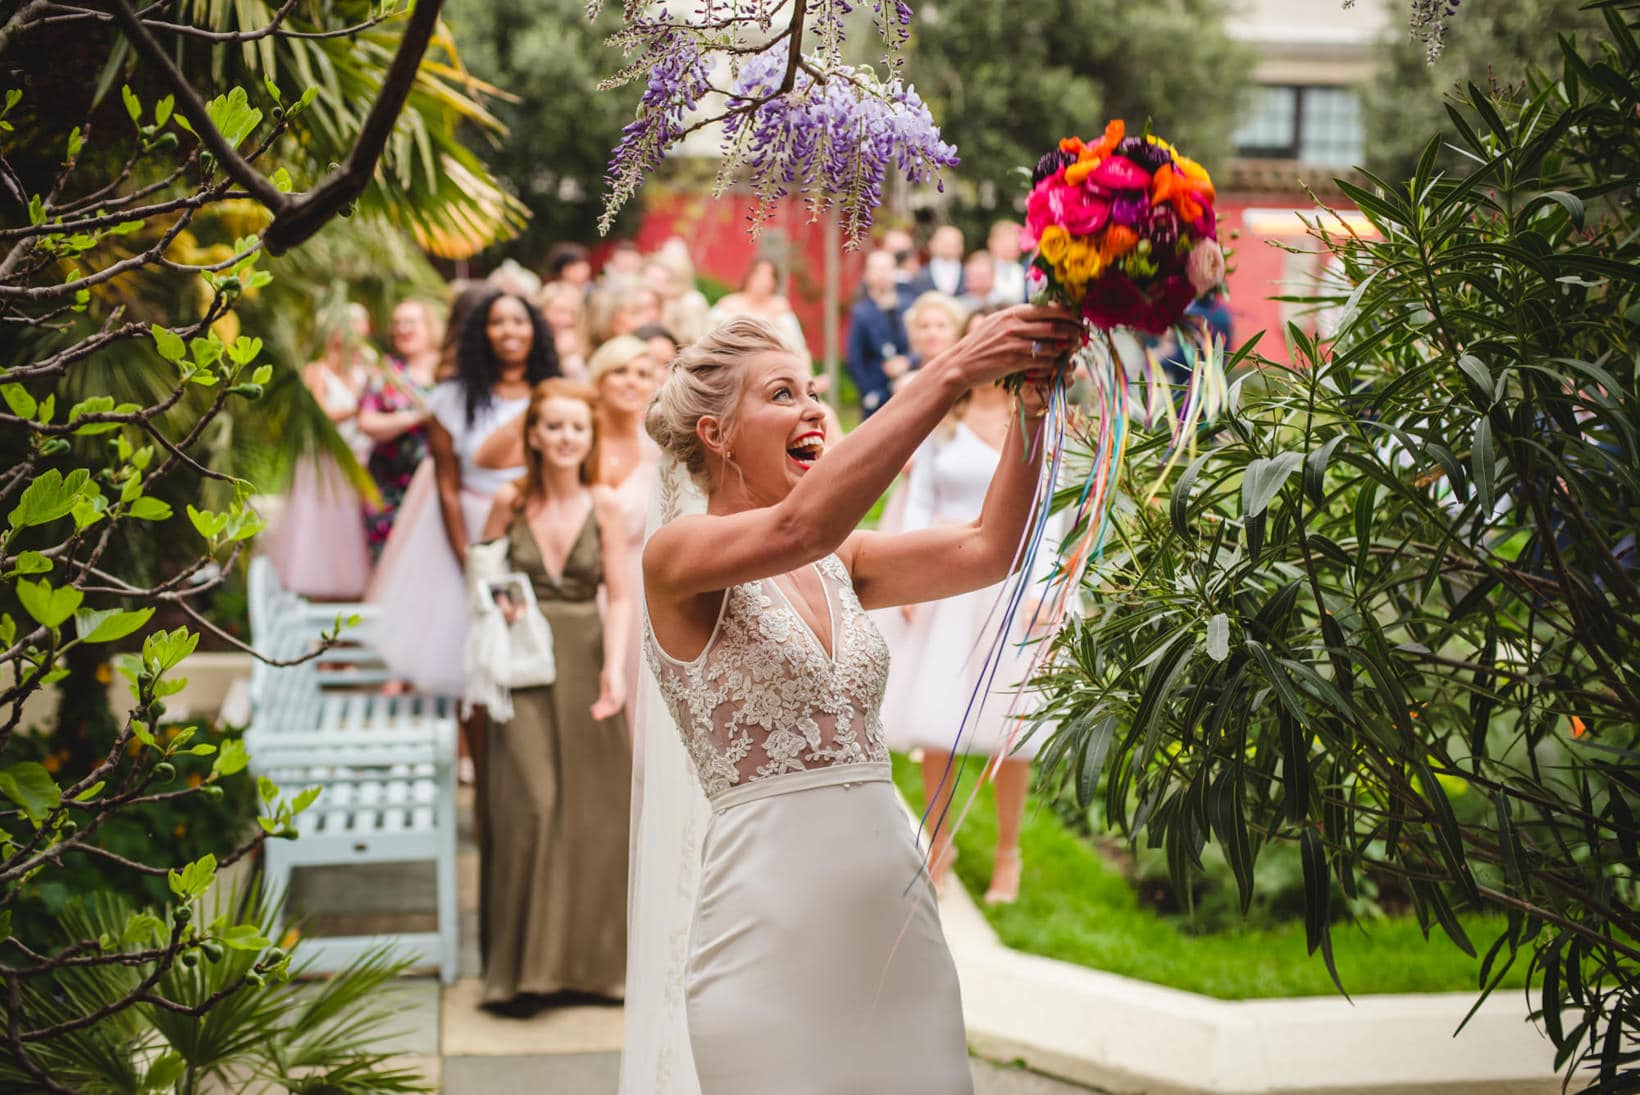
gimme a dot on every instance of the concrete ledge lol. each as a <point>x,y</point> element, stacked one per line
<point>1124,1036</point>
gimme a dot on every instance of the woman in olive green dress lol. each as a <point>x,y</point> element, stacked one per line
<point>556,800</point>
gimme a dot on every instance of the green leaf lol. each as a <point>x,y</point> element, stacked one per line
<point>194,879</point>
<point>149,508</point>
<point>304,800</point>
<point>110,624</point>
<point>1090,760</point>
<point>48,605</point>
<point>31,562</point>
<point>1315,469</point>
<point>30,787</point>
<point>231,760</point>
<point>169,344</point>
<point>133,106</point>
<point>17,397</point>
<point>1478,375</point>
<point>162,110</point>
<point>281,180</point>
<point>206,523</point>
<point>1263,480</point>
<point>1218,637</point>
<point>49,497</point>
<point>143,927</point>
<point>233,115</point>
<point>1483,465</point>
<point>206,351</point>
<point>244,937</point>
<point>165,1073</point>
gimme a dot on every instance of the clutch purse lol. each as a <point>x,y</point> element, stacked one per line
<point>509,644</point>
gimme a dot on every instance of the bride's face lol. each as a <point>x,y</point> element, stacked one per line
<point>780,427</point>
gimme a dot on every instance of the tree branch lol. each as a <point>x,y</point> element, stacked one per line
<point>297,220</point>
<point>192,107</point>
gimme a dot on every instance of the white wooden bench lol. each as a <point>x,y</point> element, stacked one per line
<point>385,765</point>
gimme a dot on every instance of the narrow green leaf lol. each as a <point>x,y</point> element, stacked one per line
<point>1483,465</point>
<point>1263,480</point>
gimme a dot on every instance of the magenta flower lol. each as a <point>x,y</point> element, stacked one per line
<point>1080,210</point>
<point>1120,173</point>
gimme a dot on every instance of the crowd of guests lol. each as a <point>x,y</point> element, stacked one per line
<point>514,409</point>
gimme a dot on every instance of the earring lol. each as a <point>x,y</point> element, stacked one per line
<point>728,454</point>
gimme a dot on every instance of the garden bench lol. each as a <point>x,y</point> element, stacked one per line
<point>385,766</point>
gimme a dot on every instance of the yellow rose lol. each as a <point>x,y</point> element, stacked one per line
<point>1053,244</point>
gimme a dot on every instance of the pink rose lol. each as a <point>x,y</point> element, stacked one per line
<point>1081,212</point>
<point>1205,266</point>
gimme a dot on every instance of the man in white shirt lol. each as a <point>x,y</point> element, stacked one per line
<point>944,269</point>
<point>1007,272</point>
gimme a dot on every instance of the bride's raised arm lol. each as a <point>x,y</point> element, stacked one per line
<point>770,512</point>
<point>944,561</point>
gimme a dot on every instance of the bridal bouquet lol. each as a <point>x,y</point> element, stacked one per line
<point>1124,230</point>
<point>1124,233</point>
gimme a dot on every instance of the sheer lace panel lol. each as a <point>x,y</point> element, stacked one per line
<point>763,699</point>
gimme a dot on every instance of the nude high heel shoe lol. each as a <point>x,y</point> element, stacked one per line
<point>1004,888</point>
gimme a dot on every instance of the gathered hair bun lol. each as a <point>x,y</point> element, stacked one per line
<point>707,379</point>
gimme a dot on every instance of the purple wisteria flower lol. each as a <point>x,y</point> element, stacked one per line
<point>678,80</point>
<point>833,140</point>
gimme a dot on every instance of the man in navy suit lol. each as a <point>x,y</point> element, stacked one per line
<point>876,333</point>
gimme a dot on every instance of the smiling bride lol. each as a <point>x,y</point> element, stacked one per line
<point>816,961</point>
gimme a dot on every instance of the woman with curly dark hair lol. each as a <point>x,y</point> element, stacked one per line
<point>503,349</point>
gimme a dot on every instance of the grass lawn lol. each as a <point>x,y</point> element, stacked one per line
<point>1076,907</point>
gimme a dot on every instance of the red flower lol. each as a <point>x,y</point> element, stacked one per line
<point>1114,301</point>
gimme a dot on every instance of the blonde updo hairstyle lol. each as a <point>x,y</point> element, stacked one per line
<point>613,354</point>
<point>707,380</point>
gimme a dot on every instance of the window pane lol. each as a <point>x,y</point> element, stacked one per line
<point>1267,127</point>
<point>1332,127</point>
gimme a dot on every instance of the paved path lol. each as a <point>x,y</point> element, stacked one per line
<point>443,1034</point>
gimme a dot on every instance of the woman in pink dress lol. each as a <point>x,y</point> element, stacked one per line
<point>318,546</point>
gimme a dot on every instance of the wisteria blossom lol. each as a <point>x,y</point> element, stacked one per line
<point>793,120</point>
<point>832,139</point>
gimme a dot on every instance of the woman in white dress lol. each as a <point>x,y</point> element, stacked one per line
<point>504,349</point>
<point>941,651</point>
<point>626,377</point>
<point>817,965</point>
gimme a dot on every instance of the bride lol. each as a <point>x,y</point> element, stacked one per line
<point>815,963</point>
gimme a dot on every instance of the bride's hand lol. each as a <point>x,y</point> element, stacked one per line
<point>1036,393</point>
<point>1014,340</point>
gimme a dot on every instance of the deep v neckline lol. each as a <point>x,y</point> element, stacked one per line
<point>828,651</point>
<point>557,577</point>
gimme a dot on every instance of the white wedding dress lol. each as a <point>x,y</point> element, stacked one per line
<point>816,964</point>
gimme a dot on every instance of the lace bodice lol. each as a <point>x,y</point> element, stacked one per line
<point>763,700</point>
